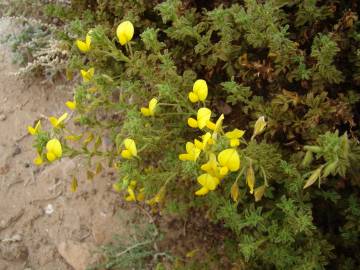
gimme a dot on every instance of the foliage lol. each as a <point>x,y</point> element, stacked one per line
<point>263,96</point>
<point>36,49</point>
<point>141,254</point>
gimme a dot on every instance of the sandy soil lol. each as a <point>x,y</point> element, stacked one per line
<point>30,236</point>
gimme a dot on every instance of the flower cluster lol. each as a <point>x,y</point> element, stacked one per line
<point>221,163</point>
<point>218,165</point>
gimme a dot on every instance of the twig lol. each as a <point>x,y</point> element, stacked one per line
<point>133,247</point>
<point>49,198</point>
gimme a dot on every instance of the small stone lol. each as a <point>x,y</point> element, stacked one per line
<point>2,117</point>
<point>76,254</point>
<point>49,209</point>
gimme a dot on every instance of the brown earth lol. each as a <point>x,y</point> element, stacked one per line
<point>43,225</point>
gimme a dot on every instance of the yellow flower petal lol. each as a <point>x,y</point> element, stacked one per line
<point>192,152</point>
<point>36,129</point>
<point>260,125</point>
<point>38,160</point>
<point>31,130</point>
<point>131,146</point>
<point>50,156</point>
<point>87,74</point>
<point>192,122</point>
<point>53,121</point>
<point>234,142</point>
<point>224,171</point>
<point>206,139</point>
<point>152,105</point>
<point>218,124</point>
<point>62,118</point>
<point>125,32</point>
<point>82,46</point>
<point>200,88</point>
<point>145,111</point>
<point>235,134</point>
<point>211,125</point>
<point>151,110</point>
<point>211,166</point>
<point>198,144</point>
<point>54,148</point>
<point>88,40</point>
<point>126,154</point>
<point>203,116</point>
<point>234,191</point>
<point>230,159</point>
<point>193,97</point>
<point>208,181</point>
<point>250,178</point>
<point>71,105</point>
<point>184,157</point>
<point>131,196</point>
<point>202,191</point>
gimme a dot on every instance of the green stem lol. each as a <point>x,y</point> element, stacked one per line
<point>168,104</point>
<point>130,49</point>
<point>264,175</point>
<point>240,174</point>
<point>164,114</point>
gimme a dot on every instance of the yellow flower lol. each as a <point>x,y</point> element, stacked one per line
<point>151,110</point>
<point>250,178</point>
<point>84,46</point>
<point>159,197</point>
<point>38,160</point>
<point>192,152</point>
<point>259,193</point>
<point>71,105</point>
<point>208,183</point>
<point>203,116</point>
<point>125,32</point>
<point>234,136</point>
<point>216,127</point>
<point>56,122</point>
<point>212,167</point>
<point>131,193</point>
<point>131,197</point>
<point>199,92</point>
<point>206,139</point>
<point>74,138</point>
<point>141,195</point>
<point>229,160</point>
<point>260,125</point>
<point>130,150</point>
<point>36,129</point>
<point>87,75</point>
<point>54,149</point>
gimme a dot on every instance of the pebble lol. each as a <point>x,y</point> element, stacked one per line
<point>2,117</point>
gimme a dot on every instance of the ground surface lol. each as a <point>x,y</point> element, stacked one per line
<point>31,238</point>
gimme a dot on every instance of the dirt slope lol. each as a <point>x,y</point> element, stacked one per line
<point>43,225</point>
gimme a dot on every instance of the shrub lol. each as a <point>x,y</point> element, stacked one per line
<point>262,95</point>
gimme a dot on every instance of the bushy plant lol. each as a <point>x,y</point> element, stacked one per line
<point>243,112</point>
